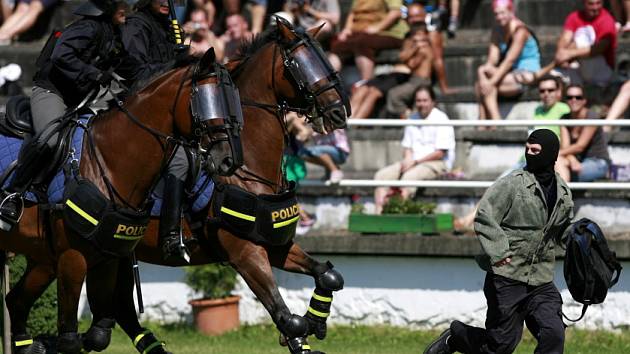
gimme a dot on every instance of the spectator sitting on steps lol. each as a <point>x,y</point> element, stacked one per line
<point>428,151</point>
<point>415,55</point>
<point>586,48</point>
<point>418,56</point>
<point>371,26</point>
<point>583,150</point>
<point>513,58</point>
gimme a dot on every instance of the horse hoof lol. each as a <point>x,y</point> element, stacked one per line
<point>282,340</point>
<point>69,343</point>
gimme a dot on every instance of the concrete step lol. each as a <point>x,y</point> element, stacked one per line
<point>481,155</point>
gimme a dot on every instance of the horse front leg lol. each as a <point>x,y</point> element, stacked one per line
<point>143,339</point>
<point>71,271</point>
<point>251,261</point>
<point>100,284</point>
<point>20,299</point>
<point>294,259</point>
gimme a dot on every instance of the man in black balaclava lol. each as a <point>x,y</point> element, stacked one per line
<point>541,153</point>
<point>518,220</point>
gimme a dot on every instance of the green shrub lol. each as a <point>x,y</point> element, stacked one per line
<point>213,281</point>
<point>43,316</point>
<point>398,205</point>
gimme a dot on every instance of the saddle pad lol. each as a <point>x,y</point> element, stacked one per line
<point>10,149</point>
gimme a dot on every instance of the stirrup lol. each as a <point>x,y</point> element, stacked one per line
<point>6,222</point>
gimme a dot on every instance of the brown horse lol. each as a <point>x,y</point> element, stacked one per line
<point>281,70</point>
<point>268,85</point>
<point>124,153</point>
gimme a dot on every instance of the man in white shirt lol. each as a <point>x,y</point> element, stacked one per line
<point>429,151</point>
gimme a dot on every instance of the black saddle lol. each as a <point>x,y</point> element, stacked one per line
<point>17,121</point>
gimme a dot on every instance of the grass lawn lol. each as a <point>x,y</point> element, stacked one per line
<point>347,340</point>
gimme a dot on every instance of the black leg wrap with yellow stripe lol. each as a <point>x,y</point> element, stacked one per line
<point>318,312</point>
<point>327,280</point>
<point>24,344</point>
<point>146,343</point>
<point>299,345</point>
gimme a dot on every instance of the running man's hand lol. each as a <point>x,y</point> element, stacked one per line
<point>503,262</point>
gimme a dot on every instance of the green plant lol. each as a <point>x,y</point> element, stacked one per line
<point>42,319</point>
<point>213,281</point>
<point>398,205</point>
<point>357,208</point>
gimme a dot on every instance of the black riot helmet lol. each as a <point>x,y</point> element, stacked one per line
<point>96,8</point>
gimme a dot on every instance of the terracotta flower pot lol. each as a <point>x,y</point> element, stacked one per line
<point>215,316</point>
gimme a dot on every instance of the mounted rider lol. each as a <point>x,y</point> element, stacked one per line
<point>83,57</point>
<point>150,39</point>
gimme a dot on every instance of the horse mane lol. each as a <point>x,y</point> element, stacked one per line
<point>249,47</point>
<point>145,82</point>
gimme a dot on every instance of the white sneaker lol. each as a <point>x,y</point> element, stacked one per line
<point>336,176</point>
<point>11,72</point>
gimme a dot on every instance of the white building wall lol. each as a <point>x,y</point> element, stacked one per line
<point>414,292</point>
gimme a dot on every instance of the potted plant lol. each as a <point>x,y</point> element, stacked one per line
<point>401,216</point>
<point>217,311</point>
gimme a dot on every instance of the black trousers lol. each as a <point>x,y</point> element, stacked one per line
<point>510,303</point>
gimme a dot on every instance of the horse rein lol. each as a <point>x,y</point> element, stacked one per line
<point>172,142</point>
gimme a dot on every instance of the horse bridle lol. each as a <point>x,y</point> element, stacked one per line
<point>210,101</point>
<point>214,101</point>
<point>308,66</point>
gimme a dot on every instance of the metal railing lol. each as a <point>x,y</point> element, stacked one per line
<point>470,123</point>
<point>486,123</point>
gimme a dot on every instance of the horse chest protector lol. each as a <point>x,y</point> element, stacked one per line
<point>265,219</point>
<point>114,230</point>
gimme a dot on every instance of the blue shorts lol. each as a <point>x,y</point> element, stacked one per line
<point>337,155</point>
<point>593,169</point>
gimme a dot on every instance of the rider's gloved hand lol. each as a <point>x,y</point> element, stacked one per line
<point>183,57</point>
<point>104,78</point>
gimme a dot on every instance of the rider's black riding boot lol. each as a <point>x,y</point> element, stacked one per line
<point>170,233</point>
<point>29,166</point>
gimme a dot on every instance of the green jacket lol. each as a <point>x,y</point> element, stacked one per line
<point>512,222</point>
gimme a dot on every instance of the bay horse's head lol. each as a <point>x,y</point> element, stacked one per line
<point>311,82</point>
<point>217,117</point>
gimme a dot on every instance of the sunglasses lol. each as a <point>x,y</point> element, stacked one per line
<point>569,98</point>
<point>546,90</point>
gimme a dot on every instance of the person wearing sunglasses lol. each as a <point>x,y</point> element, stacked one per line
<point>583,150</point>
<point>551,107</point>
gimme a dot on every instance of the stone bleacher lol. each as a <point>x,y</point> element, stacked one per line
<point>481,155</point>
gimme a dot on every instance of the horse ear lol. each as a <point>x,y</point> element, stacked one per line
<point>285,28</point>
<point>313,32</point>
<point>208,58</point>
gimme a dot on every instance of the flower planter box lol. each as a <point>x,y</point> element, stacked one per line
<point>216,316</point>
<point>401,223</point>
